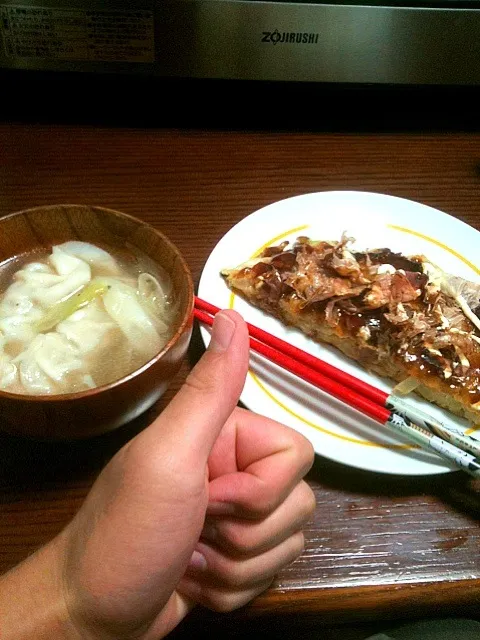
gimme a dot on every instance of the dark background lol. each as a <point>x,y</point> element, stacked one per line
<point>127,100</point>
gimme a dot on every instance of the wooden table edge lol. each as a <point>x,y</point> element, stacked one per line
<point>334,605</point>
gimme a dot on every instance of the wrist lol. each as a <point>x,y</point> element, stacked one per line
<point>32,598</point>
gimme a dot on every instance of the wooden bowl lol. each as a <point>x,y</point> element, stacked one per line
<point>96,411</point>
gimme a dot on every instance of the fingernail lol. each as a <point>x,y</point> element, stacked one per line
<point>197,561</point>
<point>222,333</point>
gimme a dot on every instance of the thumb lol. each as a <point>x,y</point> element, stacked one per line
<point>196,415</point>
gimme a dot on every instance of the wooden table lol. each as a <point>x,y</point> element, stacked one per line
<point>379,548</point>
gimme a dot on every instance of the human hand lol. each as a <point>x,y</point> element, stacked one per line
<point>204,506</point>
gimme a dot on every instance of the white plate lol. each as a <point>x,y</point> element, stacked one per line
<point>374,220</point>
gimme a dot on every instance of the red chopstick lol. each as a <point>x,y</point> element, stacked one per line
<point>305,366</point>
<point>459,449</point>
<point>365,389</point>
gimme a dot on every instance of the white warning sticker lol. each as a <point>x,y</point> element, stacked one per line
<point>77,34</point>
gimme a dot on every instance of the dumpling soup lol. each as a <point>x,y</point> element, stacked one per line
<point>78,317</point>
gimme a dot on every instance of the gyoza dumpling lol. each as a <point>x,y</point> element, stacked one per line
<point>87,327</point>
<point>123,306</point>
<point>17,299</point>
<point>8,370</point>
<point>72,274</point>
<point>106,353</point>
<point>35,288</point>
<point>8,373</point>
<point>94,256</point>
<point>33,379</point>
<point>19,329</point>
<point>46,285</point>
<point>50,364</point>
<point>18,312</point>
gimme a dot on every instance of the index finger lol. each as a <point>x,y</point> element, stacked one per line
<point>271,459</point>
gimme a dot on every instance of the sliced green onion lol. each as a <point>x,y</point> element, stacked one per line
<point>63,309</point>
